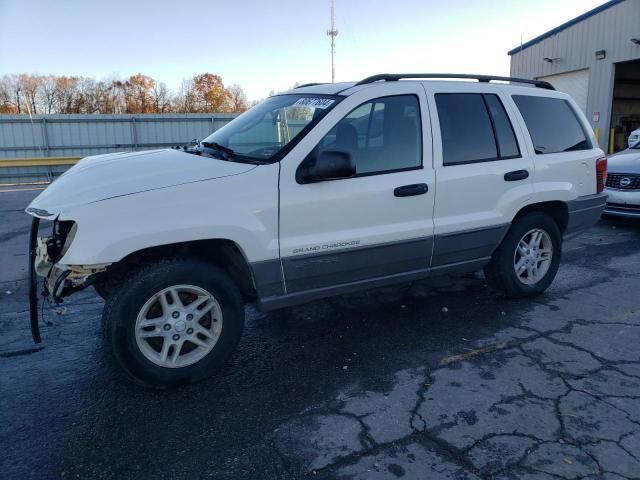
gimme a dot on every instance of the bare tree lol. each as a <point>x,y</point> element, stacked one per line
<point>161,98</point>
<point>48,94</point>
<point>120,96</point>
<point>185,101</point>
<point>237,99</point>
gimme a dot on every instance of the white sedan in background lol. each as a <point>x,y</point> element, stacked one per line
<point>633,138</point>
<point>623,181</point>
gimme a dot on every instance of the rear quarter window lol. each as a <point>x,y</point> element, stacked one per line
<point>552,123</point>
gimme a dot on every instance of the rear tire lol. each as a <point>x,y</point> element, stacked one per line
<point>527,260</point>
<point>173,322</point>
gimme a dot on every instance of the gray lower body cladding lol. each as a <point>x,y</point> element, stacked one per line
<point>319,270</point>
<point>467,245</point>
<point>319,275</point>
<point>303,278</point>
<point>584,212</point>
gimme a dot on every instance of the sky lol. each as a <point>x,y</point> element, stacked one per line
<point>269,45</point>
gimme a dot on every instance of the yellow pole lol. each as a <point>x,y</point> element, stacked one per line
<point>597,132</point>
<point>611,139</point>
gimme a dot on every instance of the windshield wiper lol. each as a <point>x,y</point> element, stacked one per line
<point>230,154</point>
<point>221,148</point>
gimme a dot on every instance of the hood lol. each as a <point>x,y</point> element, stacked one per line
<point>101,177</point>
<point>627,161</point>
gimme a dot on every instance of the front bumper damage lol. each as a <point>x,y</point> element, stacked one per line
<point>33,281</point>
<point>59,280</point>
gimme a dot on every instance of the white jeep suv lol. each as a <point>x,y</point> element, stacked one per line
<point>318,191</point>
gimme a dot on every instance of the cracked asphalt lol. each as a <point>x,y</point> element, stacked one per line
<point>439,379</point>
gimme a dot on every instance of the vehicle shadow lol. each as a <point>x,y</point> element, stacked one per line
<point>622,222</point>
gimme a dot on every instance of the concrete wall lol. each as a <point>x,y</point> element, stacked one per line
<point>575,47</point>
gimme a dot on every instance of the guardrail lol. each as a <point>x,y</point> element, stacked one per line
<point>24,171</point>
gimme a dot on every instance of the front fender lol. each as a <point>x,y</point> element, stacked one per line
<point>241,208</point>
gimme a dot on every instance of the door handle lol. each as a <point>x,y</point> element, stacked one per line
<point>516,175</point>
<point>409,190</point>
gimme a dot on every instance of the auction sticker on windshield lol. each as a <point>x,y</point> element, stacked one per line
<point>315,102</point>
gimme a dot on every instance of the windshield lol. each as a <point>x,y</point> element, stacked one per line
<point>271,128</point>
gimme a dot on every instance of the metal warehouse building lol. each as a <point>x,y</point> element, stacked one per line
<point>596,59</point>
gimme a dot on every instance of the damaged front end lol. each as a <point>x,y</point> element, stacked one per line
<point>59,280</point>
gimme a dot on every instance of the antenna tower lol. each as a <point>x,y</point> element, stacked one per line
<point>333,33</point>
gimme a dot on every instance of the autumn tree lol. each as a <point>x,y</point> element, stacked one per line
<point>12,94</point>
<point>5,97</point>
<point>31,94</point>
<point>210,94</point>
<point>139,93</point>
<point>66,93</point>
<point>30,86</point>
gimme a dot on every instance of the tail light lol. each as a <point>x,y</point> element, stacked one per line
<point>601,174</point>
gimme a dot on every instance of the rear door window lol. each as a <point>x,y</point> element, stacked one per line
<point>474,128</point>
<point>506,139</point>
<point>552,124</point>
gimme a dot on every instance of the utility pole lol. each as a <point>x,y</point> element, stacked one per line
<point>333,33</point>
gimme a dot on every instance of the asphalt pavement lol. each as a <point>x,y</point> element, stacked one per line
<point>440,379</point>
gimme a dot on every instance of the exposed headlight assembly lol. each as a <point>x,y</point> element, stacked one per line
<point>60,240</point>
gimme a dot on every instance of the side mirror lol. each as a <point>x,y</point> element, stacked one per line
<point>328,165</point>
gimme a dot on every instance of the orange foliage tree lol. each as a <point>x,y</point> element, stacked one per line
<point>139,93</point>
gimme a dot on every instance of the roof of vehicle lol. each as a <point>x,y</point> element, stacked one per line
<point>438,78</point>
<point>322,88</point>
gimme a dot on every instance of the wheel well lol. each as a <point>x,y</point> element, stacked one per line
<point>557,210</point>
<point>224,253</point>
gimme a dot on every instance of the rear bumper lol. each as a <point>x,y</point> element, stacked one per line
<point>584,212</point>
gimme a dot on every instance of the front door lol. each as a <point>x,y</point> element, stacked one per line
<point>377,223</point>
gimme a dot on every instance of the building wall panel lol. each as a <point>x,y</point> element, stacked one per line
<point>574,49</point>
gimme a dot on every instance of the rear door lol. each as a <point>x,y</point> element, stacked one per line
<point>484,175</point>
<point>377,223</point>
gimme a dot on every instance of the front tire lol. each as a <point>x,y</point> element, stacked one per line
<point>173,322</point>
<point>527,260</point>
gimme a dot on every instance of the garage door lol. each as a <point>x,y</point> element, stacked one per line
<point>575,84</point>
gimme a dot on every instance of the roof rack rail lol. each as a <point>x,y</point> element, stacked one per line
<point>392,77</point>
<point>309,85</point>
